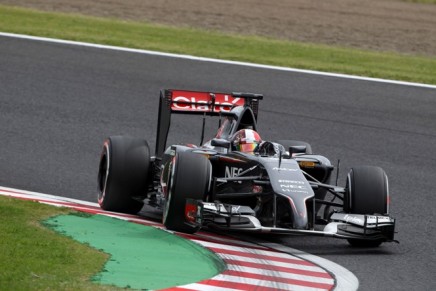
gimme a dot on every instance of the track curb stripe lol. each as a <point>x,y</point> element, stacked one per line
<point>261,256</point>
<point>283,276</point>
<point>223,243</point>
<point>278,268</point>
<point>277,279</point>
<point>261,263</point>
<point>249,266</point>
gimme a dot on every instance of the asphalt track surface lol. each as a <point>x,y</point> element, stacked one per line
<point>59,102</point>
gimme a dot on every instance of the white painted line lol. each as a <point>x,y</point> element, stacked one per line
<point>272,273</point>
<point>203,59</point>
<point>240,246</point>
<point>229,241</point>
<point>261,283</point>
<point>47,196</point>
<point>345,280</point>
<point>204,287</point>
<point>245,250</point>
<point>255,260</point>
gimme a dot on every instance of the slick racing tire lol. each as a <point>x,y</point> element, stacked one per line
<point>288,143</point>
<point>124,174</point>
<point>190,178</point>
<point>367,192</point>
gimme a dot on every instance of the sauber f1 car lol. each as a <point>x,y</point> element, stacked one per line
<point>278,187</point>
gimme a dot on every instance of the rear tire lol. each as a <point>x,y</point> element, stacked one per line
<point>190,178</point>
<point>123,174</point>
<point>367,192</point>
<point>288,143</point>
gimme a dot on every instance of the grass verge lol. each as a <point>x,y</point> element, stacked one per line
<point>217,45</point>
<point>35,258</point>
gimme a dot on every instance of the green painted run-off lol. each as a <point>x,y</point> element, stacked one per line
<point>142,257</point>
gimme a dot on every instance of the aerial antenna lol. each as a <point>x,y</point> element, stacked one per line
<point>212,108</point>
<point>212,96</point>
<point>202,130</point>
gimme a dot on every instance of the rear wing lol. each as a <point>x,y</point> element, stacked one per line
<point>195,102</point>
<point>191,102</point>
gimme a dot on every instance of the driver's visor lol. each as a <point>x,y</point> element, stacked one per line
<point>247,147</point>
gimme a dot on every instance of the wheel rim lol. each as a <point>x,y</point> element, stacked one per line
<point>170,191</point>
<point>103,172</point>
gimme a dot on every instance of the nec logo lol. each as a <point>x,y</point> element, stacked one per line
<point>232,172</point>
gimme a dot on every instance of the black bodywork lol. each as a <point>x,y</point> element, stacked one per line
<point>273,192</point>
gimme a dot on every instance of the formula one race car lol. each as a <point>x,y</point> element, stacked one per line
<point>237,182</point>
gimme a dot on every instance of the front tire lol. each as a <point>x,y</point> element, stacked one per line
<point>190,178</point>
<point>123,174</point>
<point>367,192</point>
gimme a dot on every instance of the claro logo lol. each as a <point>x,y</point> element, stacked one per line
<point>194,104</point>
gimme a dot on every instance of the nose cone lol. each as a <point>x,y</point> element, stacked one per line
<point>299,211</point>
<point>288,181</point>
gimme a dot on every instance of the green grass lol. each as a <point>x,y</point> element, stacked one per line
<point>217,45</point>
<point>35,258</point>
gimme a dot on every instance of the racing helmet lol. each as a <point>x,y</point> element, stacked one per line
<point>246,140</point>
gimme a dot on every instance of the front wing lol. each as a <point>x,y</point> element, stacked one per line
<point>242,219</point>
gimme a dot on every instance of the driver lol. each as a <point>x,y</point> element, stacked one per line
<point>249,141</point>
<point>246,140</point>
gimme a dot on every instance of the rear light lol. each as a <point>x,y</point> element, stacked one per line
<point>190,212</point>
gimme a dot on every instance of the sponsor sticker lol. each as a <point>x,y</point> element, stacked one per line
<point>202,101</point>
<point>285,169</point>
<point>232,172</point>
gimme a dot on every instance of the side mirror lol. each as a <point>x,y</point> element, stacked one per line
<point>301,149</point>
<point>219,142</point>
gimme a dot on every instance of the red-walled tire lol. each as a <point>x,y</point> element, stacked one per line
<point>123,174</point>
